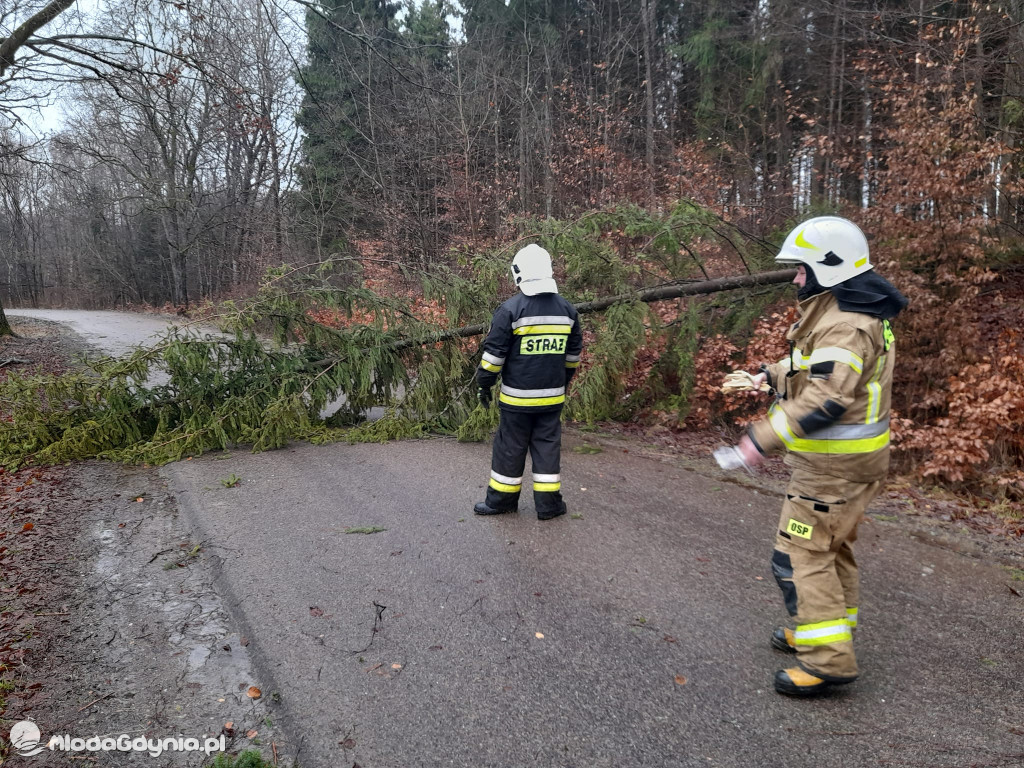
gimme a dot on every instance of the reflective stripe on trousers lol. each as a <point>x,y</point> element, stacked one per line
<point>547,483</point>
<point>540,433</point>
<point>823,633</point>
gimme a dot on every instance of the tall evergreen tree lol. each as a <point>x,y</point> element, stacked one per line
<point>349,71</point>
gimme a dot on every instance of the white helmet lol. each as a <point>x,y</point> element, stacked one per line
<point>531,271</point>
<point>834,248</point>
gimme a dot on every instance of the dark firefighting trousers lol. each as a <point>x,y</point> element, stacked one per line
<point>518,431</point>
<point>814,566</point>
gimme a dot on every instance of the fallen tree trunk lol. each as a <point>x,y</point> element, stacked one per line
<point>660,293</point>
<point>248,394</point>
<point>690,289</point>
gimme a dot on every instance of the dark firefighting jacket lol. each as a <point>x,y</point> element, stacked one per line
<point>831,413</point>
<point>535,344</point>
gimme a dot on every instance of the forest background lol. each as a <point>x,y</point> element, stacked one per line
<point>361,172</point>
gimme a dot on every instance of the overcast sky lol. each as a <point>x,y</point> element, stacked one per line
<point>48,115</point>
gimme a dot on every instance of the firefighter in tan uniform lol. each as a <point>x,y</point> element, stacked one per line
<point>831,417</point>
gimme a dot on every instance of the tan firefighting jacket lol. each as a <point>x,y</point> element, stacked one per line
<point>831,413</point>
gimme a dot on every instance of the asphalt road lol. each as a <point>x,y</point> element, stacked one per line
<point>113,333</point>
<point>633,635</point>
<point>665,574</point>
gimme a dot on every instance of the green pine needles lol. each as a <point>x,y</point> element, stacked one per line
<point>314,339</point>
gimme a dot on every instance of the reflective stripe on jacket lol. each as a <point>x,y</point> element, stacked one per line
<point>831,413</point>
<point>535,344</point>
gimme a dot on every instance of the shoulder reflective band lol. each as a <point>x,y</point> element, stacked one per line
<point>527,330</point>
<point>874,387</point>
<point>542,320</point>
<point>836,440</point>
<point>491,362</point>
<point>534,397</point>
<point>525,326</point>
<point>800,362</point>
<point>823,633</point>
<point>887,335</point>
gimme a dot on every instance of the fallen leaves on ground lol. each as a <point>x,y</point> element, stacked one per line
<point>36,573</point>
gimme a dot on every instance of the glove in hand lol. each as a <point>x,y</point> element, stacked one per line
<point>483,394</point>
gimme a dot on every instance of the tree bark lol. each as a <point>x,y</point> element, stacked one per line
<point>647,14</point>
<point>9,46</point>
<point>5,327</point>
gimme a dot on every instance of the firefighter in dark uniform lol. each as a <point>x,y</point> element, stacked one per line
<point>534,343</point>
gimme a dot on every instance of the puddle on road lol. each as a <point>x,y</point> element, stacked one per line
<point>106,564</point>
<point>170,625</point>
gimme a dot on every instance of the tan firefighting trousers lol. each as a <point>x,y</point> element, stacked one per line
<point>814,566</point>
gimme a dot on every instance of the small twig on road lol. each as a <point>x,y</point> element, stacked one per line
<point>97,701</point>
<point>161,552</point>
<point>273,747</point>
<point>472,605</point>
<point>52,614</point>
<point>378,623</point>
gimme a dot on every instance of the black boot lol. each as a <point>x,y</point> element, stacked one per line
<point>798,682</point>
<point>782,640</point>
<point>481,508</point>
<point>551,514</point>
